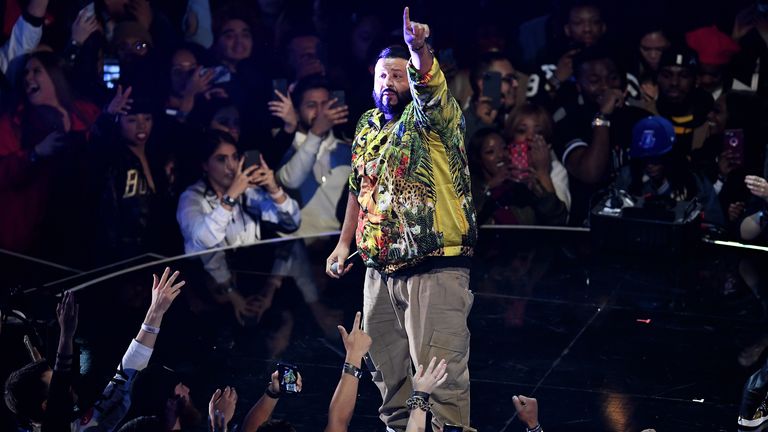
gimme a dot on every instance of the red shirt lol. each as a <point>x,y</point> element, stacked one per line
<point>25,186</point>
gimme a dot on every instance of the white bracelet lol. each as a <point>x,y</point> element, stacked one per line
<point>277,194</point>
<point>150,329</point>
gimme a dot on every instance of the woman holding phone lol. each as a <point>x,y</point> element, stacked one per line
<point>233,202</point>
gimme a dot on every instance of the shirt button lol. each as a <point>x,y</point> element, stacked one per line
<point>323,179</point>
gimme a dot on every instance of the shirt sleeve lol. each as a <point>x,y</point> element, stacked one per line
<point>201,230</point>
<point>285,215</point>
<point>293,173</point>
<point>435,106</point>
<point>115,401</point>
<point>24,38</point>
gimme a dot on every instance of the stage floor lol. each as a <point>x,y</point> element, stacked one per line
<point>606,340</point>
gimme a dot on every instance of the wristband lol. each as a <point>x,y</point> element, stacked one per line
<point>537,428</point>
<point>421,394</point>
<point>150,329</point>
<point>352,370</point>
<point>418,402</point>
<point>271,394</point>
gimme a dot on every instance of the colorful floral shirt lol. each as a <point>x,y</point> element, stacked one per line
<point>411,179</point>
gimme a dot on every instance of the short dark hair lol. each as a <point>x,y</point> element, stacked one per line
<point>394,51</point>
<point>482,66</point>
<point>25,391</point>
<point>306,84</point>
<point>576,4</point>
<point>276,426</point>
<point>597,52</point>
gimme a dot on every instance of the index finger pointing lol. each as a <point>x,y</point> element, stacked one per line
<point>356,325</point>
<point>407,18</point>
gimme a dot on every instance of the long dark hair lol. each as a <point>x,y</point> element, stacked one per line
<point>54,66</point>
<point>206,147</point>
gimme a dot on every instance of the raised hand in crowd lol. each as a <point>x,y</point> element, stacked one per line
<point>85,24</point>
<point>757,185</point>
<point>539,180</point>
<point>199,82</point>
<point>264,177</point>
<point>528,412</point>
<point>221,408</point>
<point>67,316</point>
<point>262,409</point>
<point>284,110</point>
<point>745,21</point>
<point>122,101</point>
<point>329,116</point>
<point>424,382</point>
<point>485,111</point>
<point>164,292</point>
<point>356,344</point>
<point>244,178</point>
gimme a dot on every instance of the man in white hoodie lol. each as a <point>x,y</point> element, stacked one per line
<point>317,166</point>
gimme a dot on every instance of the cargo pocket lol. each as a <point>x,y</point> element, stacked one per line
<point>457,343</point>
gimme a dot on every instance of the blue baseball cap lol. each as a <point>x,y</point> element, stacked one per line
<point>652,136</point>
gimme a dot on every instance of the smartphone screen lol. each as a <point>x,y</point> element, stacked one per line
<point>519,159</point>
<point>492,87</point>
<point>289,377</point>
<point>252,157</point>
<point>111,72</point>
<point>281,85</point>
<point>340,98</point>
<point>733,140</point>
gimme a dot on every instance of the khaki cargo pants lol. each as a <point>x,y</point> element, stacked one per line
<point>412,319</point>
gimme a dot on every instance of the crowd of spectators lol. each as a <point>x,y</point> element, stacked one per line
<point>135,126</point>
<point>124,122</point>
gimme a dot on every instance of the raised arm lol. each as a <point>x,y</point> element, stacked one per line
<point>115,400</point>
<point>415,35</point>
<point>356,343</point>
<point>429,88</point>
<point>262,409</point>
<point>424,382</point>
